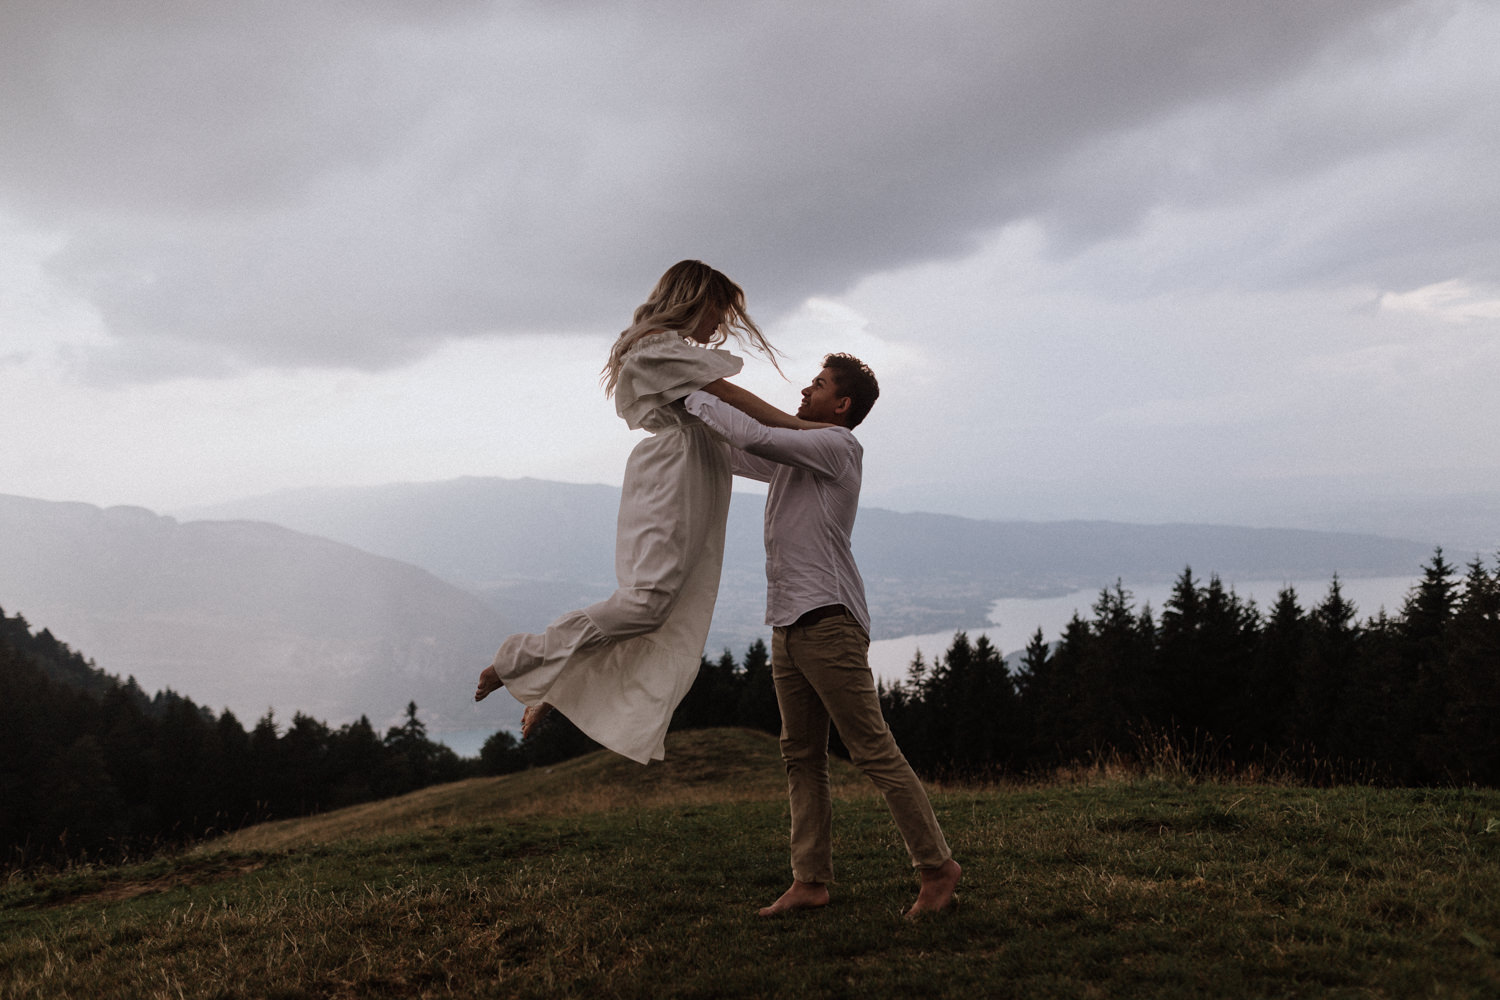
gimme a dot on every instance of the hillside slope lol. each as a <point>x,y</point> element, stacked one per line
<point>702,765</point>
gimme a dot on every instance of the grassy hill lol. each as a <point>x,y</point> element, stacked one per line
<point>599,878</point>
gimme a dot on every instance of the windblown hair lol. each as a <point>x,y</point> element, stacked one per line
<point>855,380</point>
<point>688,290</point>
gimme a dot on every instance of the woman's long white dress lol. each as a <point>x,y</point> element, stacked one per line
<point>618,669</point>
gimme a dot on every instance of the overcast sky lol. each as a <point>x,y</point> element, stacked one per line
<point>1140,259</point>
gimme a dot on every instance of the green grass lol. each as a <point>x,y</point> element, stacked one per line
<point>602,879</point>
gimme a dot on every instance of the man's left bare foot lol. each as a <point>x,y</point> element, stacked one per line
<point>489,683</point>
<point>938,890</point>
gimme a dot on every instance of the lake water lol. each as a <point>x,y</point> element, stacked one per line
<point>1013,621</point>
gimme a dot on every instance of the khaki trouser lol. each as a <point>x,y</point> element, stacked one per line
<point>822,673</point>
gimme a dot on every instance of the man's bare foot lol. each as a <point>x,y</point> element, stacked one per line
<point>532,717</point>
<point>801,896</point>
<point>937,893</point>
<point>489,682</point>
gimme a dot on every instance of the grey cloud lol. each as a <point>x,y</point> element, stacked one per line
<point>176,107</point>
<point>1363,166</point>
<point>351,184</point>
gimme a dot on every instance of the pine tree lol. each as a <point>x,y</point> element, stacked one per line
<point>912,719</point>
<point>1053,698</point>
<point>1207,650</point>
<point>713,700</point>
<point>411,759</point>
<point>502,754</point>
<point>1330,655</point>
<point>1000,738</point>
<point>757,707</point>
<point>1117,661</point>
<point>356,765</point>
<point>1271,688</point>
<point>1229,634</point>
<point>305,752</point>
<point>1466,743</point>
<point>268,789</point>
<point>946,714</point>
<point>1425,649</point>
<point>1174,700</point>
<point>236,803</point>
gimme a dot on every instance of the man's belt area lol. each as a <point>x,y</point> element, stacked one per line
<point>818,614</point>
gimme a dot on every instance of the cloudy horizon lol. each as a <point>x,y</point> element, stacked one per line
<point>1154,260</point>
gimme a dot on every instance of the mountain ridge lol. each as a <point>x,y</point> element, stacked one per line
<point>539,547</point>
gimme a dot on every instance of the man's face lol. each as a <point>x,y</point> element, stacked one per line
<point>821,401</point>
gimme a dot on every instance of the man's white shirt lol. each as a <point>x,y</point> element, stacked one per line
<point>815,478</point>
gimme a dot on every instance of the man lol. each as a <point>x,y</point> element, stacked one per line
<point>815,601</point>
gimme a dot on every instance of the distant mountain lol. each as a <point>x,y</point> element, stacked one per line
<point>537,548</point>
<point>252,616</point>
<point>1466,524</point>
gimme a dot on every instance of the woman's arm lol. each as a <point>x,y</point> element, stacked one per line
<point>752,405</point>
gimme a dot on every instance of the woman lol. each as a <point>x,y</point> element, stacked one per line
<point>618,669</point>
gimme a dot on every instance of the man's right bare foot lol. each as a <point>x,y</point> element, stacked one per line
<point>532,717</point>
<point>489,683</point>
<point>801,896</point>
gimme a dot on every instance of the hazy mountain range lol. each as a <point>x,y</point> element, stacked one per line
<point>536,548</point>
<point>341,602</point>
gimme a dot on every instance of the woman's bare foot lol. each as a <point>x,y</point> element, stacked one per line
<point>937,893</point>
<point>532,717</point>
<point>801,896</point>
<point>489,682</point>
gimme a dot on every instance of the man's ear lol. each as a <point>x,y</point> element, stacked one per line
<point>843,405</point>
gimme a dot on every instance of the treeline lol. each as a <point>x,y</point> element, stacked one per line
<point>1217,683</point>
<point>1214,682</point>
<point>92,766</point>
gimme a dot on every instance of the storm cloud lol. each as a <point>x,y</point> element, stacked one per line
<point>354,184</point>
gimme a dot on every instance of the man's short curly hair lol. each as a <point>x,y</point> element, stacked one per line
<point>855,380</point>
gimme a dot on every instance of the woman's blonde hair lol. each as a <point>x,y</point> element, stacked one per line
<point>689,289</point>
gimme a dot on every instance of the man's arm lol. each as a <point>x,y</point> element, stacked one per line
<point>825,449</point>
<point>748,466</point>
<point>744,400</point>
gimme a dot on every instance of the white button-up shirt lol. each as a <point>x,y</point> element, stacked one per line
<point>815,477</point>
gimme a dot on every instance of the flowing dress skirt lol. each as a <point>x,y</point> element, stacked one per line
<point>618,669</point>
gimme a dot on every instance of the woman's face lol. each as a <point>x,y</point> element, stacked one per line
<point>708,322</point>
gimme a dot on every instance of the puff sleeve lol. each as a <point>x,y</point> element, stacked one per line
<point>662,369</point>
